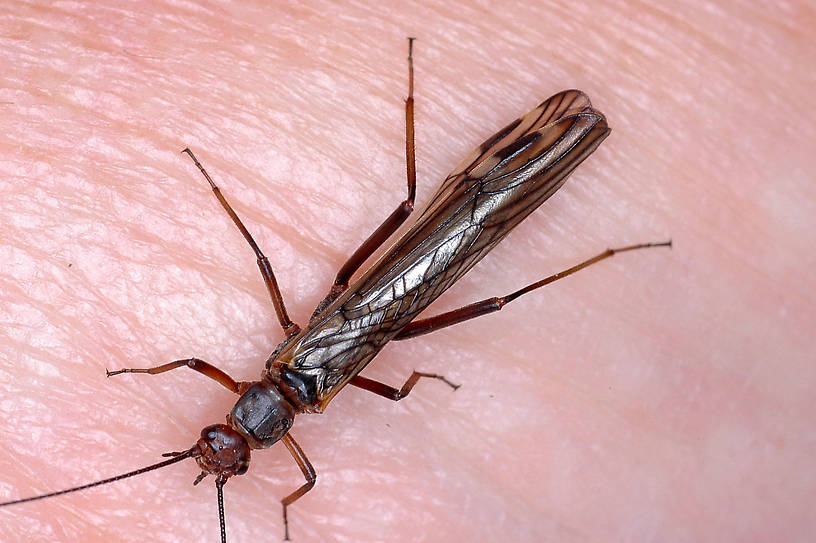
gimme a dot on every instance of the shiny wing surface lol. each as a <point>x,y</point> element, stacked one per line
<point>494,189</point>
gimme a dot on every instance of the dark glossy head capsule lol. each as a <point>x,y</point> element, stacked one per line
<point>260,418</point>
<point>223,452</point>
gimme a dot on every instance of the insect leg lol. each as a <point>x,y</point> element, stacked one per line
<point>289,327</point>
<point>308,472</point>
<point>386,391</point>
<point>477,309</point>
<point>194,364</point>
<point>403,210</point>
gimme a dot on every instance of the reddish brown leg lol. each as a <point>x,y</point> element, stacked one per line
<point>392,393</point>
<point>426,326</point>
<point>194,364</point>
<point>308,472</point>
<point>393,222</point>
<point>289,327</point>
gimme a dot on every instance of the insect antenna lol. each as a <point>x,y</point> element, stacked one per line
<point>219,484</point>
<point>176,458</point>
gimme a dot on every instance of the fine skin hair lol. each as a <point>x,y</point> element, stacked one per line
<point>660,395</point>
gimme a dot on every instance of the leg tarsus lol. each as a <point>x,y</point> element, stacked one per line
<point>491,305</point>
<point>195,364</point>
<point>387,391</point>
<point>403,210</point>
<point>308,472</point>
<point>290,328</point>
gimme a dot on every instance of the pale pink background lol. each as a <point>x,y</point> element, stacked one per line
<point>663,396</point>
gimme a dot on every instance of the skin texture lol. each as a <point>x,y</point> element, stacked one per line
<point>663,395</point>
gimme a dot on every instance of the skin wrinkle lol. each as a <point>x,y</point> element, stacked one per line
<point>686,420</point>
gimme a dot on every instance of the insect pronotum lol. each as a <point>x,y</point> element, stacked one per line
<point>490,192</point>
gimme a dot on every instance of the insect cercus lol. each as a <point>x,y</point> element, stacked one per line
<point>487,195</point>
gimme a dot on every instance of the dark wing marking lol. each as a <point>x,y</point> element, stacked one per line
<point>548,111</point>
<point>502,182</point>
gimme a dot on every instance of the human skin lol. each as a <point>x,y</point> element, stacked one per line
<point>662,395</point>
